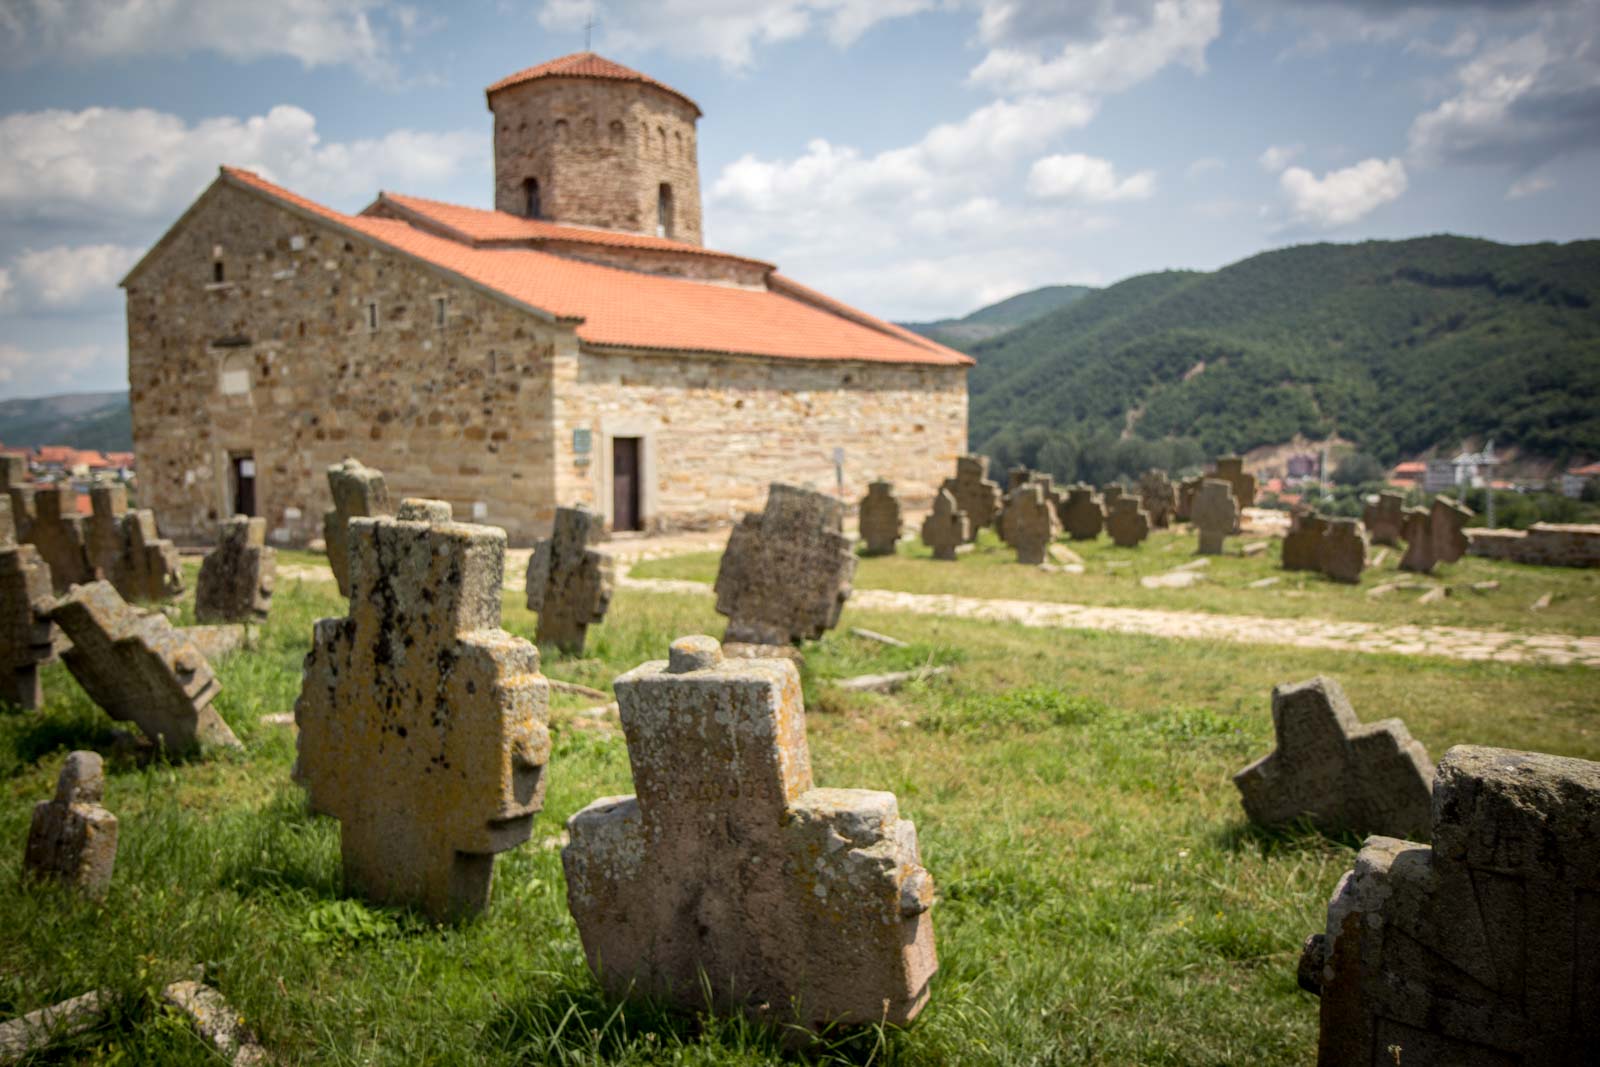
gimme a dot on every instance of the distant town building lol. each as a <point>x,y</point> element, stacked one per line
<point>1409,473</point>
<point>1575,480</point>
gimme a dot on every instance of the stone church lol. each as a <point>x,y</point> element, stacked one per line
<point>576,344</point>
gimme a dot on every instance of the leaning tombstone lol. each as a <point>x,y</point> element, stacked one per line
<point>786,572</point>
<point>1382,519</point>
<point>569,583</point>
<point>946,528</point>
<point>1447,523</point>
<point>73,839</point>
<point>730,873</point>
<point>1127,524</point>
<point>26,639</point>
<point>423,724</point>
<point>140,669</point>
<point>1339,774</point>
<point>975,494</point>
<point>1083,516</point>
<point>1302,545</point>
<point>1216,515</point>
<point>1030,522</point>
<point>1159,498</point>
<point>1479,950</point>
<point>57,532</point>
<point>1417,528</point>
<point>880,519</point>
<point>357,491</point>
<point>236,577</point>
<point>1343,554</point>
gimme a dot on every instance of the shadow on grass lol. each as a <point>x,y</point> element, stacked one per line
<point>1299,836</point>
<point>287,851</point>
<point>28,736</point>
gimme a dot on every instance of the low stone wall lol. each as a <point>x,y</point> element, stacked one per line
<point>1549,544</point>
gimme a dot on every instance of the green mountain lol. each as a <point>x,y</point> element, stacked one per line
<point>996,319</point>
<point>1396,345</point>
<point>100,421</point>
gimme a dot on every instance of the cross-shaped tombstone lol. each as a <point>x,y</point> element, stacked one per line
<point>1109,495</point>
<point>975,494</point>
<point>1216,515</point>
<point>125,549</point>
<point>1127,524</point>
<point>1382,518</point>
<point>1344,550</point>
<point>1479,950</point>
<point>357,490</point>
<point>1159,498</point>
<point>1188,489</point>
<point>1417,528</point>
<point>26,640</point>
<point>1230,469</point>
<point>786,572</point>
<point>1447,527</point>
<point>1302,545</point>
<point>946,528</point>
<point>73,839</point>
<point>1333,770</point>
<point>569,583</point>
<point>880,519</point>
<point>1030,522</point>
<point>797,904</point>
<point>57,532</point>
<point>1083,515</point>
<point>423,725</point>
<point>236,577</point>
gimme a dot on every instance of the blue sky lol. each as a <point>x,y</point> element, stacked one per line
<point>918,158</point>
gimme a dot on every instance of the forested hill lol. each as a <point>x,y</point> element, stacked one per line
<point>1396,345</point>
<point>81,420</point>
<point>999,317</point>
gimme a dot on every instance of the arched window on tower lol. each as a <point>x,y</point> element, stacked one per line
<point>530,198</point>
<point>664,211</point>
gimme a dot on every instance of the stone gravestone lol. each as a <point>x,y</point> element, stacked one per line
<point>125,549</point>
<point>1030,522</point>
<point>140,669</point>
<point>1082,514</point>
<point>1382,519</point>
<point>1230,469</point>
<point>1478,951</point>
<point>1109,495</point>
<point>1128,524</point>
<point>423,724</point>
<point>1159,498</point>
<point>786,572</point>
<point>57,532</point>
<point>26,640</point>
<point>357,490</point>
<point>1343,554</point>
<point>1448,520</point>
<point>1302,545</point>
<point>73,839</point>
<point>569,583</point>
<point>1187,490</point>
<point>880,519</point>
<point>796,904</point>
<point>236,577</point>
<point>13,470</point>
<point>946,528</point>
<point>975,494</point>
<point>1018,476</point>
<point>1334,771</point>
<point>1216,515</point>
<point>1417,528</point>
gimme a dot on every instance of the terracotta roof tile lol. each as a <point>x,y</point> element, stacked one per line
<point>585,65</point>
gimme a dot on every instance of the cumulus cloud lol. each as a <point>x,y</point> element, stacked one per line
<point>74,368</point>
<point>1203,166</point>
<point>1529,185</point>
<point>69,278</point>
<point>5,285</point>
<point>1079,177</point>
<point>1276,157</point>
<point>1341,197</point>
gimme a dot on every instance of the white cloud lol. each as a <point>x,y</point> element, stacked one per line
<point>1530,185</point>
<point>69,277</point>
<point>1341,197</point>
<point>73,368</point>
<point>1203,166</point>
<point>102,168</point>
<point>1276,157</point>
<point>5,285</point>
<point>1079,177</point>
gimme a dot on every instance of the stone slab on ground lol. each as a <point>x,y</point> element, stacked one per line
<point>33,1033</point>
<point>888,682</point>
<point>216,1022</point>
<point>873,635</point>
<point>1174,579</point>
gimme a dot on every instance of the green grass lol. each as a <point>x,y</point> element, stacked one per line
<point>1101,899</point>
<point>1111,579</point>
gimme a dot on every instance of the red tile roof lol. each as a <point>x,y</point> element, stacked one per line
<point>1589,471</point>
<point>585,65</point>
<point>626,309</point>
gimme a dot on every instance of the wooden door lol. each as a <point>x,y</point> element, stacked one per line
<point>244,484</point>
<point>625,483</point>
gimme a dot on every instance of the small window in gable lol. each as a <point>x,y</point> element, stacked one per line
<point>217,271</point>
<point>372,317</point>
<point>441,307</point>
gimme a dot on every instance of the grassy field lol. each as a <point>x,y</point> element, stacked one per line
<point>1101,899</point>
<point>1111,578</point>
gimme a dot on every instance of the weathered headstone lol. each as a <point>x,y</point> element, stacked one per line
<point>1109,495</point>
<point>946,528</point>
<point>1343,553</point>
<point>1382,519</point>
<point>236,577</point>
<point>1417,528</point>
<point>125,549</point>
<point>357,491</point>
<point>1336,772</point>
<point>140,669</point>
<point>1017,476</point>
<point>796,904</point>
<point>975,494</point>
<point>786,572</point>
<point>1159,498</point>
<point>73,839</point>
<point>423,724</point>
<point>13,470</point>
<point>569,583</point>
<point>1082,514</point>
<point>57,532</point>
<point>1188,489</point>
<point>1030,522</point>
<point>26,640</point>
<point>1230,469</point>
<point>1128,524</point>
<point>1302,545</point>
<point>880,519</point>
<point>1447,524</point>
<point>1478,951</point>
<point>1216,515</point>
